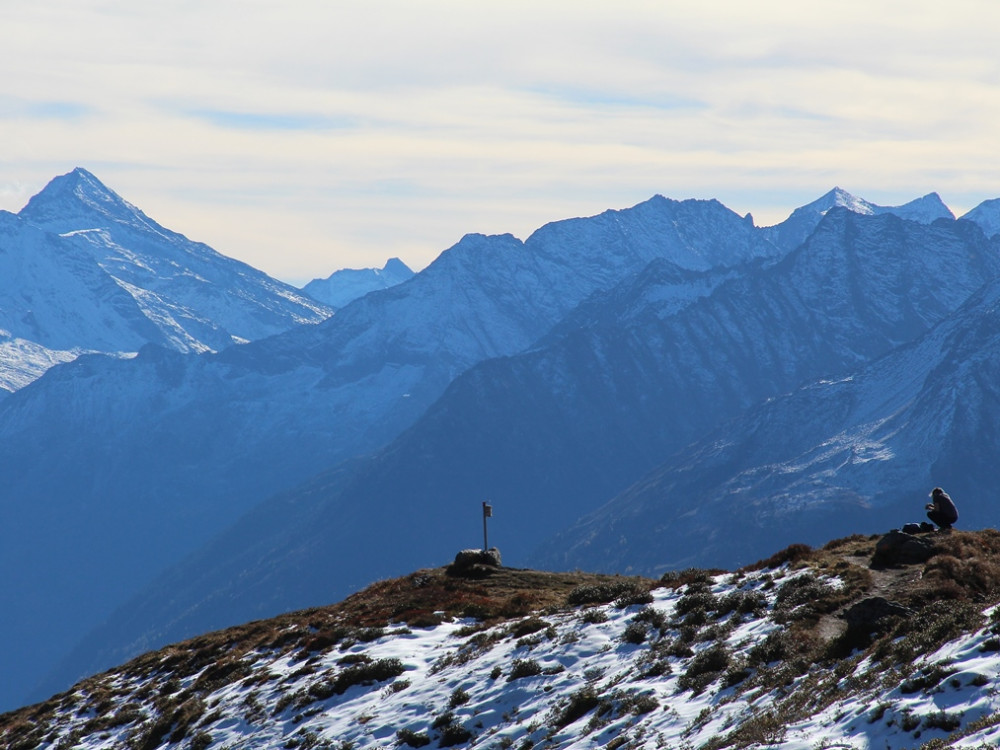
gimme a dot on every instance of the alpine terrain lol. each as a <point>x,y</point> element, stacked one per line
<point>158,453</point>
<point>152,498</point>
<point>868,642</point>
<point>628,378</point>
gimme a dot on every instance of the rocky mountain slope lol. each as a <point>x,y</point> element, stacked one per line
<point>630,377</point>
<point>854,452</point>
<point>84,270</point>
<point>792,232</point>
<point>868,642</point>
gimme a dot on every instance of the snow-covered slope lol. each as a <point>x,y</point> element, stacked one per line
<point>812,649</point>
<point>349,284</point>
<point>81,269</point>
<point>848,453</point>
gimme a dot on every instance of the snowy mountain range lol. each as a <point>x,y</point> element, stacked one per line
<point>348,284</point>
<point>877,642</point>
<point>629,377</point>
<point>175,491</point>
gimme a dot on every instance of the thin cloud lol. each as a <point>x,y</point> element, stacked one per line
<point>307,136</point>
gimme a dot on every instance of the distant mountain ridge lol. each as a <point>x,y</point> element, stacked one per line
<point>631,376</point>
<point>572,361</point>
<point>158,453</point>
<point>348,284</point>
<point>797,227</point>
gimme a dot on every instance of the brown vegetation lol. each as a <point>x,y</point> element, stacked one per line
<point>942,597</point>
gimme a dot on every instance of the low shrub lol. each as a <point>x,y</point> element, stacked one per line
<point>774,647</point>
<point>594,616</point>
<point>634,633</point>
<point>696,605</point>
<point>641,595</point>
<point>604,593</point>
<point>523,668</point>
<point>363,673</point>
<point>974,575</point>
<point>653,617</point>
<point>412,739</point>
<point>792,554</point>
<point>581,703</point>
<point>450,732</point>
<point>942,720</point>
<point>639,703</point>
<point>927,629</point>
<point>741,602</point>
<point>762,729</point>
<point>804,596</point>
<point>674,579</point>
<point>928,677</point>
<point>528,626</point>
<point>704,668</point>
<point>735,675</point>
<point>908,721</point>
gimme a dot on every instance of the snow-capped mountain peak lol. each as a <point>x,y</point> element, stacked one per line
<point>838,197</point>
<point>78,200</point>
<point>85,270</point>
<point>924,210</point>
<point>790,233</point>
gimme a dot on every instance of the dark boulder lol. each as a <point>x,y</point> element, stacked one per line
<point>899,548</point>
<point>470,562</point>
<point>869,615</point>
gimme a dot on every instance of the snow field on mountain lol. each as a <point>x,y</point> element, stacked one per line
<point>22,361</point>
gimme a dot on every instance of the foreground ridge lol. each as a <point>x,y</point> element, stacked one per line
<point>869,642</point>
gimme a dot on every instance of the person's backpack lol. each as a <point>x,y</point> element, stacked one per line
<point>911,528</point>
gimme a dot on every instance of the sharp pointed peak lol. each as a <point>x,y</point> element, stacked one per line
<point>79,196</point>
<point>85,184</point>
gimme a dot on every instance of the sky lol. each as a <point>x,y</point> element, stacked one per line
<point>311,135</point>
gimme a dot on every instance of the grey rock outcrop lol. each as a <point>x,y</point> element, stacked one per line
<point>899,548</point>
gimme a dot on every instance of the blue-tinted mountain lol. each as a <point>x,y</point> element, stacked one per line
<point>855,454</point>
<point>349,284</point>
<point>629,377</point>
<point>794,230</point>
<point>987,216</point>
<point>83,270</point>
<point>144,460</point>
